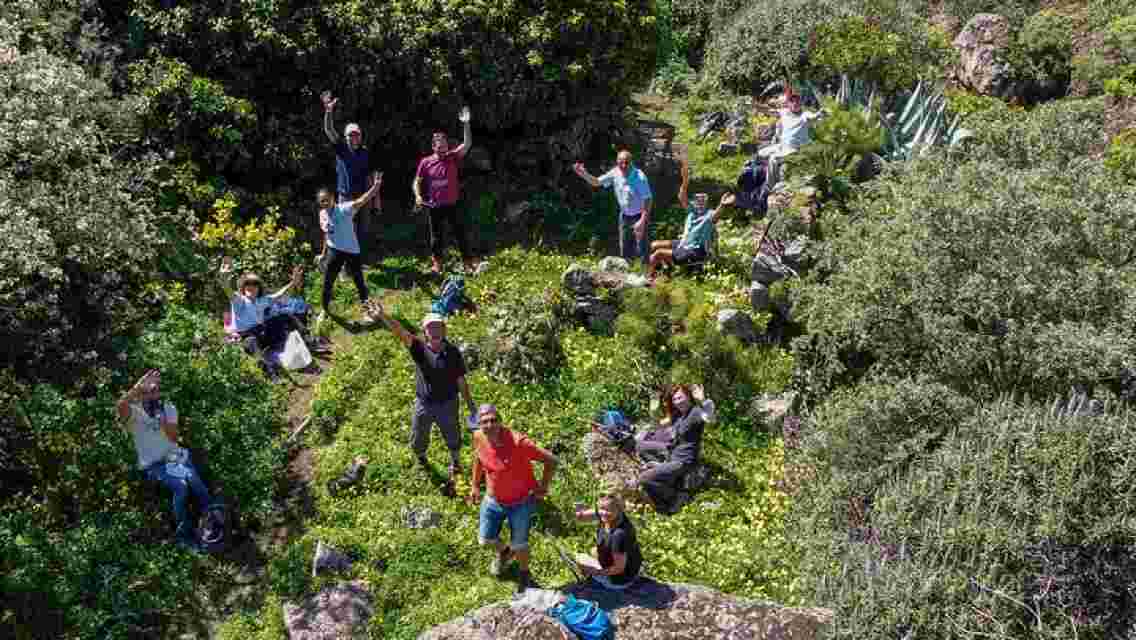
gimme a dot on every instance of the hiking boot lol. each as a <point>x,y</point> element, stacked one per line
<point>497,567</point>
<point>422,461</point>
<point>525,581</point>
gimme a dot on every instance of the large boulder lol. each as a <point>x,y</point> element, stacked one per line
<point>336,612</point>
<point>733,322</point>
<point>614,263</point>
<point>596,314</point>
<point>981,66</point>
<point>578,280</point>
<point>615,468</point>
<point>651,610</point>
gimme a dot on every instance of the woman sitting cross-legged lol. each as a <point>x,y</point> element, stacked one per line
<point>688,411</point>
<point>618,557</point>
<point>248,304</point>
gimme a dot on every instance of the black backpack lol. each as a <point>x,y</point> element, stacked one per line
<point>752,187</point>
<point>217,531</point>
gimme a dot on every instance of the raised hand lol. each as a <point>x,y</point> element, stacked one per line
<point>727,200</point>
<point>377,177</point>
<point>227,264</point>
<point>685,170</point>
<point>328,101</point>
<point>463,116</point>
<point>579,168</point>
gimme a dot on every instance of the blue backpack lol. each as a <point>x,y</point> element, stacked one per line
<point>453,295</point>
<point>583,618</point>
<point>614,425</point>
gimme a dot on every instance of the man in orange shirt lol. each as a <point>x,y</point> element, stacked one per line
<point>505,458</point>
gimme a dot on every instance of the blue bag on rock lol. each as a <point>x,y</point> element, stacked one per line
<point>452,298</point>
<point>583,618</point>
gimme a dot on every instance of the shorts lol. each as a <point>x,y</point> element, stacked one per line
<point>493,515</point>
<point>687,255</point>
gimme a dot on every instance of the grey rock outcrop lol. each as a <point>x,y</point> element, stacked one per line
<point>327,558</point>
<point>981,45</point>
<point>337,612</point>
<point>733,322</point>
<point>614,263</point>
<point>651,611</point>
<point>578,280</point>
<point>419,517</point>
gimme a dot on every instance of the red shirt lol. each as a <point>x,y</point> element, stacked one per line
<point>508,467</point>
<point>441,175</point>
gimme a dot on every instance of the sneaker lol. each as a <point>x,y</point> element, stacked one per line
<point>497,567</point>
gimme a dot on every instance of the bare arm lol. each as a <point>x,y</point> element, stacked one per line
<point>375,310</point>
<point>476,476</point>
<point>133,394</point>
<point>297,282</point>
<point>376,184</point>
<point>550,462</point>
<point>726,201</point>
<point>682,189</point>
<point>418,199</point>
<point>467,134</point>
<point>328,120</point>
<point>585,176</point>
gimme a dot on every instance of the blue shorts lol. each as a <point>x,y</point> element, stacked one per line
<point>493,515</point>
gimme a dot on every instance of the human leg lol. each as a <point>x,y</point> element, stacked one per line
<point>491,516</point>
<point>661,484</point>
<point>627,236</point>
<point>436,216</point>
<point>180,490</point>
<point>446,415</point>
<point>659,257</point>
<point>651,450</point>
<point>643,243</point>
<point>420,423</point>
<point>520,521</point>
<point>662,244</point>
<point>461,234</point>
<point>334,266</point>
<point>355,267</point>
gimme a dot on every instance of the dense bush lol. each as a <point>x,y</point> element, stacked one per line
<point>1003,272</point>
<point>858,46</point>
<point>1114,60</point>
<point>1017,524</point>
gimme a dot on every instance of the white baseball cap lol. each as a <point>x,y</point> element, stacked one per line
<point>353,127</point>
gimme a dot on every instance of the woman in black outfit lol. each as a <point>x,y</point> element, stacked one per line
<point>617,548</point>
<point>688,411</point>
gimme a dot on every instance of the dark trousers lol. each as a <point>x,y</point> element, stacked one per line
<point>354,265</point>
<point>661,482</point>
<point>439,218</point>
<point>267,335</point>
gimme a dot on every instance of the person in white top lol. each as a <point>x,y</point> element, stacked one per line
<point>793,132</point>
<point>248,303</point>
<point>153,425</point>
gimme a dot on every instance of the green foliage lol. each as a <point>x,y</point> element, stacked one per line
<point>1114,61</point>
<point>673,78</point>
<point>1120,157</point>
<point>522,344</point>
<point>965,104</point>
<point>1016,524</point>
<point>859,47</point>
<point>841,141</point>
<point>1001,273</point>
<point>1046,38</point>
<point>263,246</point>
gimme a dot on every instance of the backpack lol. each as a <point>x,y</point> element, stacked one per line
<point>452,298</point>
<point>217,530</point>
<point>583,618</point>
<point>613,424</point>
<point>753,188</point>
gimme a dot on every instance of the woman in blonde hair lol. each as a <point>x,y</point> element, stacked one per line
<point>618,558</point>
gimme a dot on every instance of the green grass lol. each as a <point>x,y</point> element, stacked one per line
<point>731,538</point>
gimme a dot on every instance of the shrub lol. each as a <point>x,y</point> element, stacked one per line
<point>1120,157</point>
<point>841,140</point>
<point>263,245</point>
<point>858,46</point>
<point>1110,67</point>
<point>673,78</point>
<point>1015,524</point>
<point>523,343</point>
<point>1044,51</point>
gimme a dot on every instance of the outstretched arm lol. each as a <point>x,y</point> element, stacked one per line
<point>328,121</point>
<point>135,392</point>
<point>467,134</point>
<point>297,282</point>
<point>375,310</point>
<point>376,184</point>
<point>727,200</point>
<point>585,176</point>
<point>226,277</point>
<point>682,189</point>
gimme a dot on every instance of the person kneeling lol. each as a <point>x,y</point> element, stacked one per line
<point>697,234</point>
<point>618,558</point>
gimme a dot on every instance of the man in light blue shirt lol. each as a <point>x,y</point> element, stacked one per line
<point>633,192</point>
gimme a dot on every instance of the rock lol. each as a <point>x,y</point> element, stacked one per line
<point>635,280</point>
<point>613,467</point>
<point>733,322</point>
<point>419,517</point>
<point>337,612</point>
<point>652,610</point>
<point>617,281</point>
<point>595,313</point>
<point>981,45</point>
<point>614,263</point>
<point>481,268</point>
<point>758,296</point>
<point>328,558</point>
<point>516,212</point>
<point>946,23</point>
<point>727,149</point>
<point>769,410</point>
<point>478,158</point>
<point>351,476</point>
<point>578,280</point>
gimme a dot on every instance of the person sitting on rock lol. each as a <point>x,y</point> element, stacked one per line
<point>505,458</point>
<point>618,557</point>
<point>153,425</point>
<point>697,233</point>
<point>688,411</point>
<point>248,307</point>
<point>793,132</point>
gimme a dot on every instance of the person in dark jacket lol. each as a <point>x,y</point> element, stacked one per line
<point>687,412</point>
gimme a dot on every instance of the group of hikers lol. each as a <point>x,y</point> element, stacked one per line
<point>502,456</point>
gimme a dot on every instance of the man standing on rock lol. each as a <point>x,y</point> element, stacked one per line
<point>633,192</point>
<point>352,160</point>
<point>505,458</point>
<point>439,376</point>
<point>437,188</point>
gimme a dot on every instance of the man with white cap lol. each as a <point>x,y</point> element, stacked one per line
<point>352,161</point>
<point>439,376</point>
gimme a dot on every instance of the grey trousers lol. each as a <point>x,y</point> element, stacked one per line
<point>426,414</point>
<point>631,247</point>
<point>662,483</point>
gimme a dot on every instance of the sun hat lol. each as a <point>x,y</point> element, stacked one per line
<point>247,279</point>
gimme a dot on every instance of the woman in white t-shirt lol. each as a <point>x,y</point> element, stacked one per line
<point>248,304</point>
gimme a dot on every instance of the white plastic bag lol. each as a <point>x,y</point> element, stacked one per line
<point>295,354</point>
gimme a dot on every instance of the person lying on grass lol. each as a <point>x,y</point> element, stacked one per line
<point>259,332</point>
<point>618,557</point>
<point>505,458</point>
<point>687,411</point>
<point>697,233</point>
<point>153,425</point>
